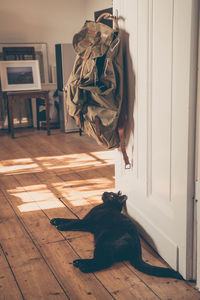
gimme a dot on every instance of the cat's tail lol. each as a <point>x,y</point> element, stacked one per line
<point>142,266</point>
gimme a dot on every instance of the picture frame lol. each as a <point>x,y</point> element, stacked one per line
<point>20,75</point>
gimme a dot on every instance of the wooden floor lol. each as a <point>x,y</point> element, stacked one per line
<point>62,175</point>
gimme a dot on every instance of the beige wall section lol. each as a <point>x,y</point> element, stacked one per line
<point>94,5</point>
<point>50,21</point>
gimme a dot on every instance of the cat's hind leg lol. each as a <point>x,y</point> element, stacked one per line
<point>102,260</point>
<point>90,265</point>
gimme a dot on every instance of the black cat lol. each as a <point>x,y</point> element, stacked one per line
<point>116,237</point>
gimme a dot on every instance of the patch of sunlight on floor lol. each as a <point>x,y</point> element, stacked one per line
<point>38,164</point>
<point>29,193</point>
<point>18,166</point>
<point>35,187</point>
<point>84,185</point>
<point>35,197</point>
<point>107,156</point>
<point>71,160</point>
<point>33,206</point>
<point>76,192</point>
<point>79,202</point>
<point>83,192</point>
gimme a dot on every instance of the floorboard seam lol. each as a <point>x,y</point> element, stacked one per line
<point>4,253</point>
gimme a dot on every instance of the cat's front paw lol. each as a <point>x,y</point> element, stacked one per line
<point>61,227</point>
<point>82,265</point>
<point>56,221</point>
<point>76,263</point>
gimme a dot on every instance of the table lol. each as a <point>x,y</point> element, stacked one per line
<point>14,96</point>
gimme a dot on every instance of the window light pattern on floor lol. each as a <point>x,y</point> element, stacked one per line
<point>59,180</point>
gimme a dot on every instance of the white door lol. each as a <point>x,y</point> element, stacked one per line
<point>160,185</point>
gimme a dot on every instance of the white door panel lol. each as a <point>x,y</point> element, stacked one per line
<point>160,185</point>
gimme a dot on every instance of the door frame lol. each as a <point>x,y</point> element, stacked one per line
<point>196,260</point>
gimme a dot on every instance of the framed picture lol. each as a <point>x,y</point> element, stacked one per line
<point>19,75</point>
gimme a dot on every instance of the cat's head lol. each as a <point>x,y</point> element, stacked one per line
<point>114,199</point>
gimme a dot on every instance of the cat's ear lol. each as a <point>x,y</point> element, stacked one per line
<point>123,198</point>
<point>119,193</point>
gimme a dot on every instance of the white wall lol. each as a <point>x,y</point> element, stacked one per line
<point>50,21</point>
<point>40,21</point>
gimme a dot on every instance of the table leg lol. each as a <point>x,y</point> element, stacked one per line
<point>7,107</point>
<point>10,100</point>
<point>37,113</point>
<point>47,114</point>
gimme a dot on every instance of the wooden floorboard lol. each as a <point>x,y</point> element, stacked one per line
<point>62,175</point>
